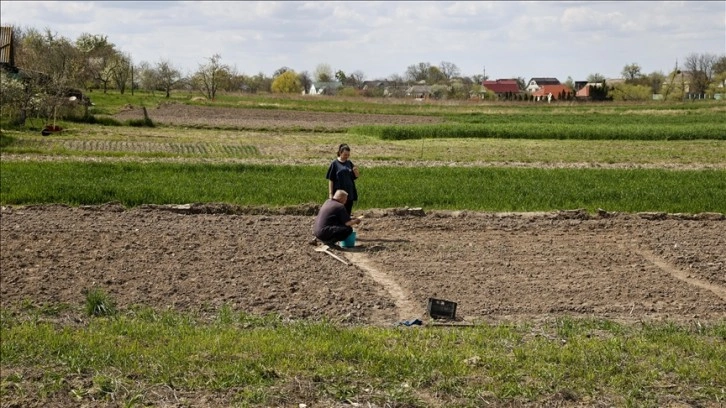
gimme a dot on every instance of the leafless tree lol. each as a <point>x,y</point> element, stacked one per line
<point>147,77</point>
<point>631,72</point>
<point>417,72</point>
<point>167,76</point>
<point>449,69</point>
<point>305,81</point>
<point>280,71</point>
<point>121,71</point>
<point>208,76</point>
<point>356,78</point>
<point>323,73</point>
<point>700,68</point>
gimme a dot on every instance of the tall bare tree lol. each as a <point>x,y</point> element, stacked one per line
<point>167,76</point>
<point>121,71</point>
<point>147,77</point>
<point>449,69</point>
<point>417,72</point>
<point>700,68</point>
<point>207,78</point>
<point>356,78</point>
<point>323,73</point>
<point>305,81</point>
<point>631,72</point>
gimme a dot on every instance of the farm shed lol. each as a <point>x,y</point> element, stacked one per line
<point>7,53</point>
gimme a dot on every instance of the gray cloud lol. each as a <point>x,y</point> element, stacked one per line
<point>382,38</point>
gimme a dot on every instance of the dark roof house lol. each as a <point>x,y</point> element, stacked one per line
<point>419,91</point>
<point>536,83</point>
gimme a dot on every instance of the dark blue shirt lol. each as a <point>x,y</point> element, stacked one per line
<point>343,178</point>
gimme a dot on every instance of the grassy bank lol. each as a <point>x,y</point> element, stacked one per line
<point>261,361</point>
<point>488,189</point>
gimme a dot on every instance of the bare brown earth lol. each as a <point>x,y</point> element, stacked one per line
<point>497,267</point>
<point>494,266</point>
<point>189,115</point>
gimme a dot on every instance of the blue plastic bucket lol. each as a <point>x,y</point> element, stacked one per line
<point>348,242</point>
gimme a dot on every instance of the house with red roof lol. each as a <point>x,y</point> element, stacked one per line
<point>502,86</point>
<point>556,91</point>
<point>584,92</point>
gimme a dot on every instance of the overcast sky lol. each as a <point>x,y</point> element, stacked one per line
<point>507,39</point>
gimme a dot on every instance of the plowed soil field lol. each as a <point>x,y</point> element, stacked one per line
<point>188,115</point>
<point>496,267</point>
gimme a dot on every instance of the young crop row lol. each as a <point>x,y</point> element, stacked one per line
<point>117,146</point>
<point>477,189</point>
<point>603,131</point>
<point>566,117</point>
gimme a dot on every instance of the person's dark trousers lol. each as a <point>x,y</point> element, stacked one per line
<point>349,207</point>
<point>335,233</point>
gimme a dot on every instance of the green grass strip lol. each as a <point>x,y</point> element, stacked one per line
<point>264,361</point>
<point>480,189</point>
<point>600,131</point>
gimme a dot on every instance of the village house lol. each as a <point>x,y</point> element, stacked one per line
<point>324,88</point>
<point>419,91</point>
<point>535,84</point>
<point>502,87</point>
<point>552,92</point>
<point>585,90</point>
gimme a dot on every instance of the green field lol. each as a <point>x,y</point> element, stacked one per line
<point>262,361</point>
<point>476,189</point>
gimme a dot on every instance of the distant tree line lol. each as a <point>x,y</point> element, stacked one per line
<point>51,66</point>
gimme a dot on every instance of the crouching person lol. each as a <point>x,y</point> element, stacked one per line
<point>333,222</point>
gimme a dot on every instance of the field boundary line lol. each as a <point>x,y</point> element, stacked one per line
<point>681,275</point>
<point>401,298</point>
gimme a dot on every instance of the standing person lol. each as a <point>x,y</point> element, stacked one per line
<point>341,175</point>
<point>333,222</point>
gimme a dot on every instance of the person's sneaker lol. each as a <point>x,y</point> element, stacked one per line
<point>313,241</point>
<point>332,244</point>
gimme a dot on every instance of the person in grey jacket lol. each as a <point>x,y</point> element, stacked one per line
<point>333,222</point>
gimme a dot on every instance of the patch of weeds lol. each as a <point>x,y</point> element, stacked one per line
<point>104,386</point>
<point>52,384</point>
<point>98,303</point>
<point>225,316</point>
<point>11,386</point>
<point>95,120</point>
<point>146,122</point>
<point>29,307</point>
<point>6,140</point>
